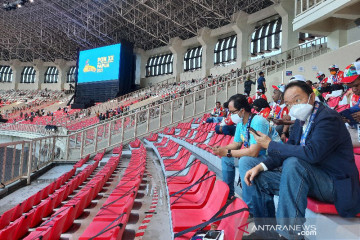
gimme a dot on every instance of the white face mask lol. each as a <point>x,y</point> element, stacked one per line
<point>235,118</point>
<point>301,111</point>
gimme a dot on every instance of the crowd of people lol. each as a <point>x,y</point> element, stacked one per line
<point>294,147</point>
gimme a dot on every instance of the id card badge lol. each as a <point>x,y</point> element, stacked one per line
<point>358,130</point>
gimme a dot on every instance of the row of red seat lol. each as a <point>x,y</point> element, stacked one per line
<point>186,125</point>
<point>153,137</point>
<point>25,206</point>
<point>20,226</point>
<point>82,161</point>
<point>135,144</point>
<point>196,197</point>
<point>63,218</point>
<point>168,151</point>
<point>110,221</point>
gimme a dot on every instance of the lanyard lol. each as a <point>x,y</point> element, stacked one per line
<point>247,135</point>
<point>311,121</point>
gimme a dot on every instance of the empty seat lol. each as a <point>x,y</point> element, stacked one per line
<point>5,218</point>
<point>197,200</point>
<point>200,174</point>
<point>188,177</point>
<point>186,218</point>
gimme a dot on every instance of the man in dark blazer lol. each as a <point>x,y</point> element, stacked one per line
<point>317,161</point>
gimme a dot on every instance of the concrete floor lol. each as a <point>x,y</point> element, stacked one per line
<point>159,226</point>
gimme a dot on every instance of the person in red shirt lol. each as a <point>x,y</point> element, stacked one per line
<point>280,112</point>
<point>262,107</point>
<point>259,94</point>
<point>336,76</point>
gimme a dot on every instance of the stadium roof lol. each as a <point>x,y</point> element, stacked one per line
<point>51,29</point>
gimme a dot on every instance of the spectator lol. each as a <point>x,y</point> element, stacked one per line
<point>280,112</point>
<point>317,163</point>
<point>247,85</point>
<point>226,127</point>
<point>336,75</point>
<point>262,107</point>
<point>352,115</point>
<point>241,115</point>
<point>259,94</point>
<point>261,82</point>
<point>217,114</point>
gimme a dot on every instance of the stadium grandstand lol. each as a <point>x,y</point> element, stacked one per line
<point>179,119</point>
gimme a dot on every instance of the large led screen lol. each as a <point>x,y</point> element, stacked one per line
<point>99,64</point>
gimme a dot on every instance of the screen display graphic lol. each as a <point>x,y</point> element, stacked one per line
<point>99,64</point>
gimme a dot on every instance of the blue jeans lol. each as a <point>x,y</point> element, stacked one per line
<point>297,180</point>
<point>226,130</point>
<point>214,119</point>
<point>228,172</point>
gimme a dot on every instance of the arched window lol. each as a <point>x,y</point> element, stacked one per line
<point>6,74</point>
<point>28,75</point>
<point>193,59</point>
<point>266,38</point>
<point>159,65</point>
<point>225,50</point>
<point>51,75</point>
<point>71,75</point>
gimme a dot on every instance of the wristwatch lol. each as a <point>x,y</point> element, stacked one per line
<point>229,153</point>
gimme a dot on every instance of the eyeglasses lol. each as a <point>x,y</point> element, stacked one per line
<point>297,101</point>
<point>234,112</point>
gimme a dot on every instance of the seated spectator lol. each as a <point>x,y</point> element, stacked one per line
<point>244,146</point>
<point>336,75</point>
<point>262,107</point>
<point>352,115</point>
<point>217,114</point>
<point>318,163</point>
<point>226,127</point>
<point>280,112</point>
<point>259,94</point>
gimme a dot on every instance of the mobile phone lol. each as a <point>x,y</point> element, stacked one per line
<point>254,131</point>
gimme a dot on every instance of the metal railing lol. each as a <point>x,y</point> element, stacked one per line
<point>20,159</point>
<point>302,6</point>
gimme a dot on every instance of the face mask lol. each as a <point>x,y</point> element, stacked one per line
<point>301,111</point>
<point>235,118</point>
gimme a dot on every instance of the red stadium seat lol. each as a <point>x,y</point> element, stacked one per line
<point>197,200</point>
<point>188,177</point>
<point>186,218</point>
<point>5,218</point>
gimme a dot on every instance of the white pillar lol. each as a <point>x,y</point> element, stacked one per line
<point>40,73</point>
<point>63,69</point>
<point>290,39</point>
<point>208,45</point>
<point>17,69</point>
<point>179,52</point>
<point>337,39</point>
<point>243,31</point>
<point>140,72</point>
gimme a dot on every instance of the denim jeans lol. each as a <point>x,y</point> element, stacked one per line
<point>214,119</point>
<point>226,130</point>
<point>297,180</point>
<point>228,172</point>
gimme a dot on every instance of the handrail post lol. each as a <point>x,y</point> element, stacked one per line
<point>29,162</point>
<point>160,114</point>
<point>53,149</point>
<point>194,102</point>
<point>82,146</point>
<point>135,125</point>
<point>183,108</point>
<point>172,111</point>
<point>96,138</point>
<point>109,133</point>
<point>122,129</point>
<point>148,120</point>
